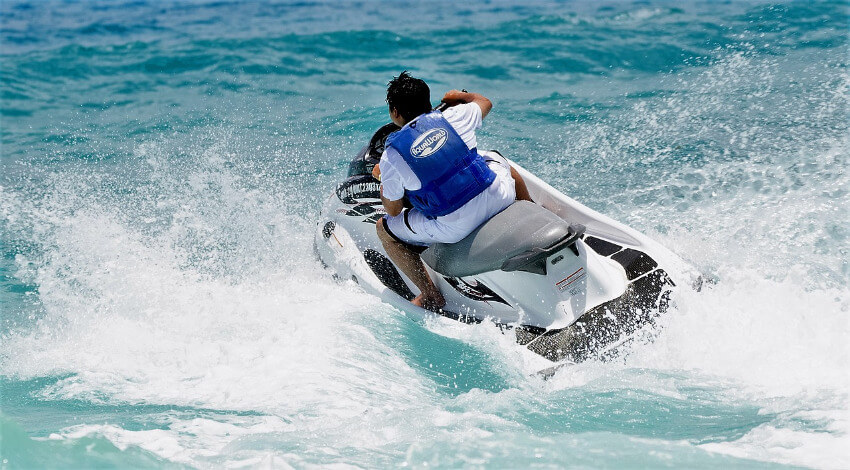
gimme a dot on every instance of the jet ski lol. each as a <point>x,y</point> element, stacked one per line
<point>567,281</point>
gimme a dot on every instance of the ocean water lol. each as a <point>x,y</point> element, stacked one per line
<point>163,165</point>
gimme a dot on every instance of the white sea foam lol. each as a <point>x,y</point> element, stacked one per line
<point>139,315</point>
<point>193,286</point>
<point>766,220</point>
<point>131,316</point>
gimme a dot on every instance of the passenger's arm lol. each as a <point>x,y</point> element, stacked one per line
<point>522,193</point>
<point>456,97</point>
<point>393,208</point>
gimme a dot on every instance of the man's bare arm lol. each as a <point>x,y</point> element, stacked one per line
<point>456,97</point>
<point>393,208</point>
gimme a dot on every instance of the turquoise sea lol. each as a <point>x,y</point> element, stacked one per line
<point>163,166</point>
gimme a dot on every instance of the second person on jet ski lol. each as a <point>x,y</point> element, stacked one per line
<point>433,160</point>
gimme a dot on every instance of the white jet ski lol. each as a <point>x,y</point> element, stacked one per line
<point>566,279</point>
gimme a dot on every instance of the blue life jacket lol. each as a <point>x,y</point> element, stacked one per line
<point>450,172</point>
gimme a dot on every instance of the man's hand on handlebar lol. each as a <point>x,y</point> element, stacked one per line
<point>455,97</point>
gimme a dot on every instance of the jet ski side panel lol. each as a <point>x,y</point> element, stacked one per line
<point>573,284</point>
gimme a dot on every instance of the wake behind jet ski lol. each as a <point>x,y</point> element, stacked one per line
<point>567,280</point>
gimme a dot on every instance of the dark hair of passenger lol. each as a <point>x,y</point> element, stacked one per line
<point>409,96</point>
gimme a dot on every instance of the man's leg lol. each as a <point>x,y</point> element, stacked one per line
<point>521,189</point>
<point>412,266</point>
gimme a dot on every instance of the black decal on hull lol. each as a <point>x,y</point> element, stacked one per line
<point>328,229</point>
<point>364,208</point>
<point>603,247</point>
<point>477,291</point>
<point>355,188</point>
<point>387,273</point>
<point>635,262</point>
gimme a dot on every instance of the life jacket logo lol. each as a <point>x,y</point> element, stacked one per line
<point>429,142</point>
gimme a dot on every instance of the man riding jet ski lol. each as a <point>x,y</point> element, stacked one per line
<point>452,229</point>
<point>433,160</point>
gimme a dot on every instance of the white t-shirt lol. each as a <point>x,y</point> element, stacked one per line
<point>412,226</point>
<point>396,175</point>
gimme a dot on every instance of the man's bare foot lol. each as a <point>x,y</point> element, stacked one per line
<point>432,302</point>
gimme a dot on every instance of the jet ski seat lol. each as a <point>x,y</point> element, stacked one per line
<point>519,238</point>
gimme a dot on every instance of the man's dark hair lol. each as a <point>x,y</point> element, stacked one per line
<point>409,96</point>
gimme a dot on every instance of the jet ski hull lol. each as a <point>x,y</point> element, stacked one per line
<point>610,282</point>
